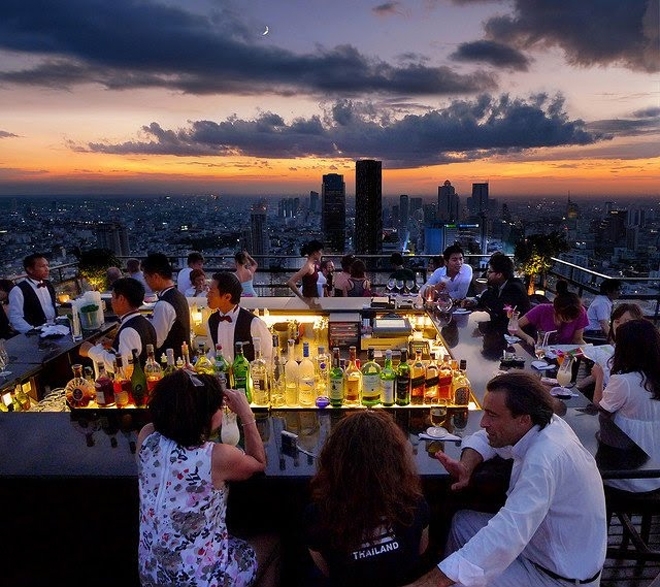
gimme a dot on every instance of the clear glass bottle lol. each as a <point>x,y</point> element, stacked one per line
<point>371,380</point>
<point>387,381</point>
<point>431,380</point>
<point>105,393</point>
<point>445,378</point>
<point>323,363</point>
<point>240,369</point>
<point>403,380</point>
<point>152,370</point>
<point>417,380</point>
<point>259,372</point>
<point>138,382</point>
<point>291,375</point>
<point>79,391</point>
<point>352,379</point>
<point>121,384</point>
<point>171,364</point>
<point>306,379</point>
<point>22,398</point>
<point>203,364</point>
<point>462,386</point>
<point>336,380</point>
<point>277,378</point>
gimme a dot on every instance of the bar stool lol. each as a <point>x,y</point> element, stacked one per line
<point>625,506</point>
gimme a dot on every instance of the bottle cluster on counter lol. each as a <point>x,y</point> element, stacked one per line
<point>286,381</point>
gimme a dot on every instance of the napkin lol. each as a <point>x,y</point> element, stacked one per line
<point>448,436</point>
<point>54,330</point>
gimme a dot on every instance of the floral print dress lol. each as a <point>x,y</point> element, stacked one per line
<point>183,534</point>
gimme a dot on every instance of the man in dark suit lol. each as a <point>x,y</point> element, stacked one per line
<point>503,290</point>
<point>32,301</point>
<point>171,317</point>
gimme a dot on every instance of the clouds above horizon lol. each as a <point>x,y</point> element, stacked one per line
<point>465,130</point>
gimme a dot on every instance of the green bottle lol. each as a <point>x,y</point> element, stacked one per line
<point>336,381</point>
<point>403,380</point>
<point>241,371</point>
<point>138,382</point>
<point>370,380</point>
<point>387,381</point>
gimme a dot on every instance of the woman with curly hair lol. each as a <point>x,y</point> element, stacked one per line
<point>632,393</point>
<point>182,481</point>
<point>368,520</point>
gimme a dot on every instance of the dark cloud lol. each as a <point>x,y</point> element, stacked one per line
<point>388,9</point>
<point>465,130</point>
<point>131,44</point>
<point>641,122</point>
<point>590,32</point>
<point>6,135</point>
<point>493,53</point>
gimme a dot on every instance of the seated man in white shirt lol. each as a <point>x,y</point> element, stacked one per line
<point>453,278</point>
<point>183,282</point>
<point>547,532</point>
<point>32,301</point>
<point>135,330</point>
<point>230,323</point>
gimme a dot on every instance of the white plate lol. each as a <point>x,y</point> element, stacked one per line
<point>437,431</point>
<point>561,392</point>
<point>461,311</point>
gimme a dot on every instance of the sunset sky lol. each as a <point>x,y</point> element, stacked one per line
<point>538,97</point>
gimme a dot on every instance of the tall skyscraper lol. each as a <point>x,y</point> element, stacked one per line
<point>404,211</point>
<point>260,243</point>
<point>448,203</point>
<point>333,213</point>
<point>478,202</point>
<point>368,206</point>
<point>313,201</point>
<point>114,237</point>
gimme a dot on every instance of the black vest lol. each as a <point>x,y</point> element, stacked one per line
<point>146,331</point>
<point>180,330</point>
<point>241,331</point>
<point>32,310</point>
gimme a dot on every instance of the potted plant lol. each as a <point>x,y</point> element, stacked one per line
<point>93,264</point>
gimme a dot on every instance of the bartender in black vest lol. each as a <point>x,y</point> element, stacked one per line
<point>32,301</point>
<point>230,323</point>
<point>171,317</point>
<point>135,330</point>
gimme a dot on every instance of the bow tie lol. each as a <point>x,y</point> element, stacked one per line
<point>41,284</point>
<point>224,318</point>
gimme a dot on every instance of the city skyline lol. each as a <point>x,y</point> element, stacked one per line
<point>262,98</point>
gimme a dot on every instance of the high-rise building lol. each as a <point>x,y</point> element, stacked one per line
<point>448,203</point>
<point>114,237</point>
<point>478,203</point>
<point>260,243</point>
<point>333,212</point>
<point>404,211</point>
<point>313,201</point>
<point>368,206</point>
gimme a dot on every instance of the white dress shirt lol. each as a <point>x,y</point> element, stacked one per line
<point>163,318</point>
<point>554,513</point>
<point>258,328</point>
<point>457,286</point>
<point>129,339</point>
<point>183,282</point>
<point>17,301</point>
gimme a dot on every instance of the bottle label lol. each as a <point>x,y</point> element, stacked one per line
<point>403,390</point>
<point>387,392</point>
<point>337,389</point>
<point>371,385</point>
<point>432,381</point>
<point>417,382</point>
<point>462,396</point>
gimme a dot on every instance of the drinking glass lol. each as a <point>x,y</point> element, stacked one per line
<point>565,372</point>
<point>419,280</point>
<point>438,412</point>
<point>539,347</point>
<point>444,302</point>
<point>410,285</point>
<point>512,326</point>
<point>391,283</point>
<point>399,285</point>
<point>4,359</point>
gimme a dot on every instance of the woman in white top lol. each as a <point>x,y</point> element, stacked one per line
<point>632,394</point>
<point>246,267</point>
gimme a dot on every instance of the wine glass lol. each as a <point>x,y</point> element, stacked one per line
<point>437,415</point>
<point>419,280</point>
<point>391,283</point>
<point>444,303</point>
<point>399,285</point>
<point>410,285</point>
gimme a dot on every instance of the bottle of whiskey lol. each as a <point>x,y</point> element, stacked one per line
<point>105,393</point>
<point>370,380</point>
<point>403,380</point>
<point>79,391</point>
<point>121,384</point>
<point>417,380</point>
<point>387,381</point>
<point>138,382</point>
<point>445,378</point>
<point>352,379</point>
<point>152,370</point>
<point>462,385</point>
<point>431,380</point>
<point>259,372</point>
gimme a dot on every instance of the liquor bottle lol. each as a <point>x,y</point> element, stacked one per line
<point>387,381</point>
<point>121,384</point>
<point>291,375</point>
<point>171,365</point>
<point>370,380</point>
<point>22,398</point>
<point>15,404</point>
<point>163,362</point>
<point>352,379</point>
<point>128,367</point>
<point>277,378</point>
<point>221,366</point>
<point>152,370</point>
<point>185,356</point>
<point>445,377</point>
<point>403,380</point>
<point>431,382</point>
<point>462,385</point>
<point>79,391</point>
<point>203,364</point>
<point>138,382</point>
<point>259,372</point>
<point>105,393</point>
<point>306,379</point>
<point>240,369</point>
<point>323,362</point>
<point>336,381</point>
<point>417,380</point>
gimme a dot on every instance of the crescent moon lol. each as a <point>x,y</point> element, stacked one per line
<point>265,32</point>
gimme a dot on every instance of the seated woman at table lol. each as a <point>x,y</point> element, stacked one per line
<point>182,483</point>
<point>565,315</point>
<point>358,285</point>
<point>368,520</point>
<point>632,394</point>
<point>199,286</point>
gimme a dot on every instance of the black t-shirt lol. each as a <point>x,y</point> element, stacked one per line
<point>388,561</point>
